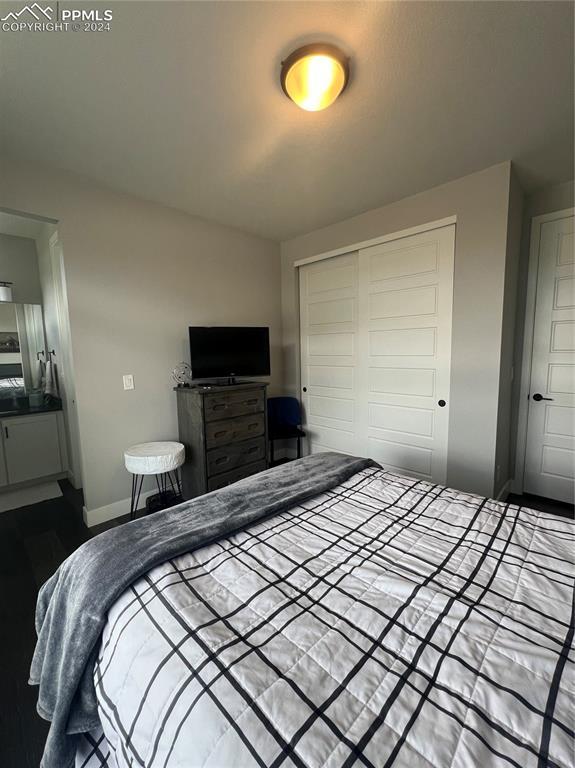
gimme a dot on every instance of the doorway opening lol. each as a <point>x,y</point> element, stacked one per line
<point>39,437</point>
<point>546,430</point>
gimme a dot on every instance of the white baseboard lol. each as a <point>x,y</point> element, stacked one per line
<point>505,490</point>
<point>111,511</point>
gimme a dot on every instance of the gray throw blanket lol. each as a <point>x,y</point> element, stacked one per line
<point>73,605</point>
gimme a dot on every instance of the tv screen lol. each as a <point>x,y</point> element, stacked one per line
<point>227,352</point>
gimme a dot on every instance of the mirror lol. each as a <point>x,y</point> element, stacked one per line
<point>22,348</point>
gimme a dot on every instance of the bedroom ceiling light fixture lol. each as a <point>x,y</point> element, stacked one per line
<point>313,76</point>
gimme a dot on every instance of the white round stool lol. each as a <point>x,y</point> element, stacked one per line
<point>159,459</point>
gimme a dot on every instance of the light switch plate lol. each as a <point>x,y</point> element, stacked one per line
<point>128,381</point>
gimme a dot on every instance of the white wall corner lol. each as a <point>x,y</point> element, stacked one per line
<point>72,479</point>
<point>505,490</point>
<point>111,511</point>
<point>517,486</point>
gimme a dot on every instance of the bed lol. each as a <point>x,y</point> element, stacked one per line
<point>383,621</point>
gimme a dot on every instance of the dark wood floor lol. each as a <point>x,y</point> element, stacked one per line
<point>33,542</point>
<point>544,505</point>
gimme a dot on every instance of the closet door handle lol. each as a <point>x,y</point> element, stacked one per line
<point>538,397</point>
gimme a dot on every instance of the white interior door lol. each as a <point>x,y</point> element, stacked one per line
<point>386,392</point>
<point>329,354</point>
<point>550,452</point>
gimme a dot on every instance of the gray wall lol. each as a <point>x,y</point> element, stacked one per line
<point>480,202</point>
<point>19,265</point>
<point>138,274</point>
<point>549,200</point>
<point>507,406</point>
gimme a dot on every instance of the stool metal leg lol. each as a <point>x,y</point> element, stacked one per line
<point>137,481</point>
<point>132,497</point>
<point>172,486</point>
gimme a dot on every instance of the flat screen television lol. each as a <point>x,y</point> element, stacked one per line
<point>217,352</point>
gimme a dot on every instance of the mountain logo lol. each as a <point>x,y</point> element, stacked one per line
<point>35,10</point>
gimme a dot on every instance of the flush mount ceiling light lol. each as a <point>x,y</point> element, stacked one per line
<point>313,76</point>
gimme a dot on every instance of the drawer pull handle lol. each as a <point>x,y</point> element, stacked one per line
<point>255,425</point>
<point>253,449</point>
<point>250,402</point>
<point>221,433</point>
<point>220,407</point>
<point>222,460</point>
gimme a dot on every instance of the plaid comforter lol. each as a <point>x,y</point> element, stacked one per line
<point>385,622</point>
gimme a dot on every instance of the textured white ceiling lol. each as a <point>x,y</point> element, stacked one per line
<point>181,103</point>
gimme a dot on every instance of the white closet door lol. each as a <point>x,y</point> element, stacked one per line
<point>329,354</point>
<point>550,454</point>
<point>406,297</point>
<point>376,352</point>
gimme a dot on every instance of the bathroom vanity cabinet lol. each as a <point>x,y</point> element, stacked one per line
<point>32,447</point>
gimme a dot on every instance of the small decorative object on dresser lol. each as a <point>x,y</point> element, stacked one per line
<point>182,375</point>
<point>224,429</point>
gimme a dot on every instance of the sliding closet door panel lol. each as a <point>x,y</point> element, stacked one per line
<point>376,351</point>
<point>405,300</point>
<point>329,353</point>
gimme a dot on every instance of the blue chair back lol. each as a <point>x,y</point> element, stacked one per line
<point>284,411</point>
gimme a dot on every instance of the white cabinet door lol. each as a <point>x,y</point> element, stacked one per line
<point>550,455</point>
<point>3,475</point>
<point>32,446</point>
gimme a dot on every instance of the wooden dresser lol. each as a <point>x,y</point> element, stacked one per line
<point>224,429</point>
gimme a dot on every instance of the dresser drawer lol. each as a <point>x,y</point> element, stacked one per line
<point>227,478</point>
<point>220,433</point>
<point>224,405</point>
<point>235,455</point>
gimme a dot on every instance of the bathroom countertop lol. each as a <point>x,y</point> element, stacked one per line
<point>25,409</point>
